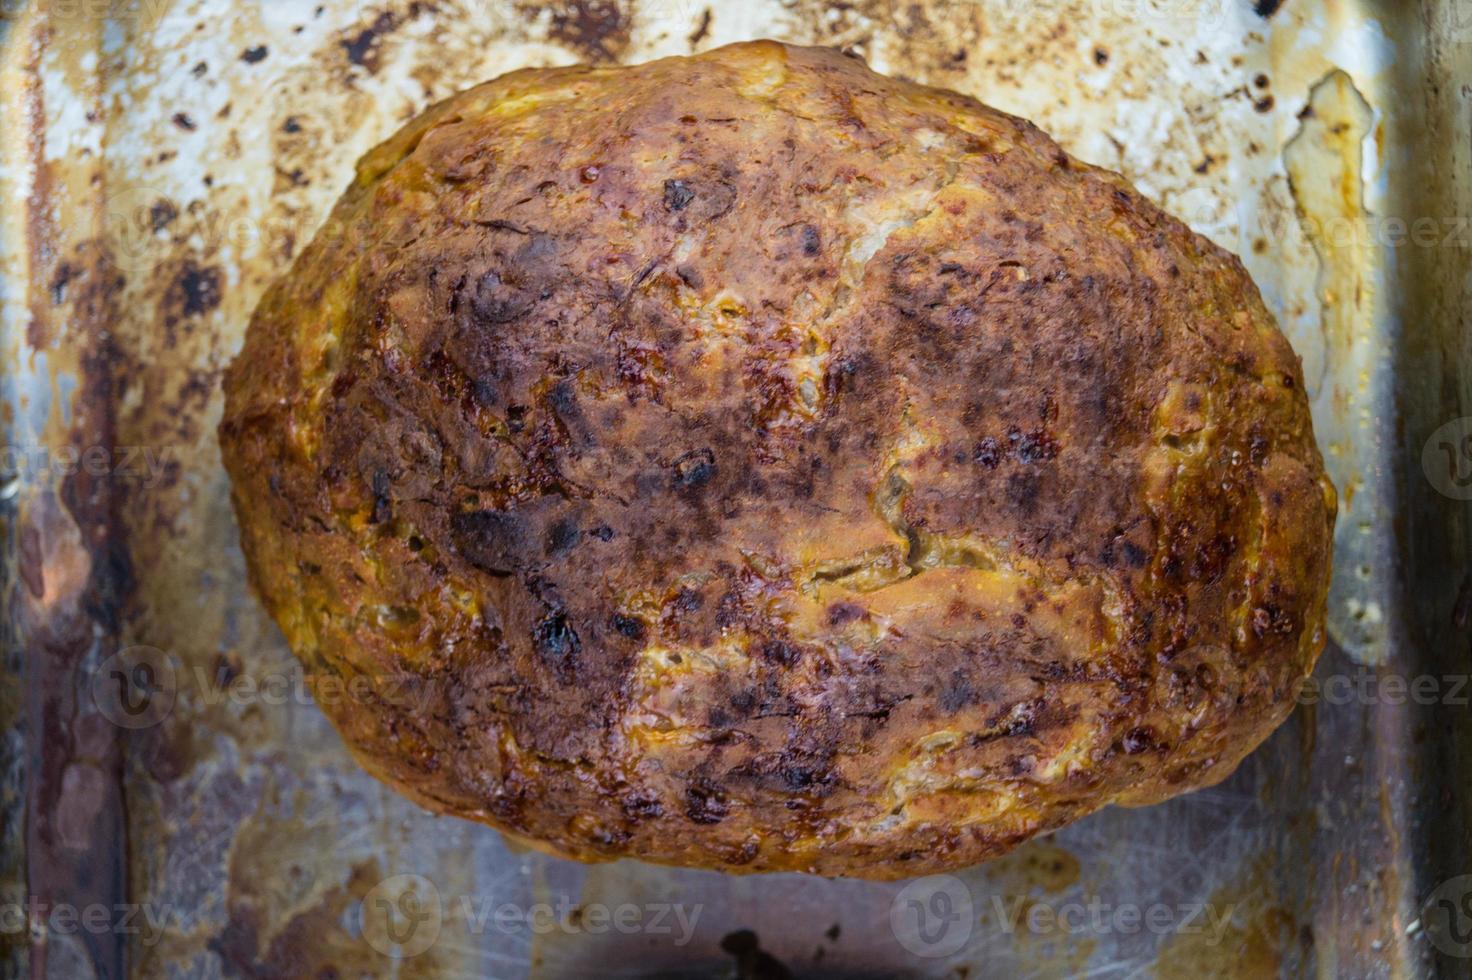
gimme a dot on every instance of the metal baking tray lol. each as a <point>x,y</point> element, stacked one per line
<point>173,802</point>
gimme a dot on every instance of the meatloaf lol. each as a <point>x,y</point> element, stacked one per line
<point>748,461</point>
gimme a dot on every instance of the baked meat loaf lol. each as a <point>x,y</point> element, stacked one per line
<point>748,461</point>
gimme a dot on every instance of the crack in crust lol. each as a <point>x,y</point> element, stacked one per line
<point>748,461</point>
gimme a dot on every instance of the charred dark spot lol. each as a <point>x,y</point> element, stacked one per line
<point>183,121</point>
<point>957,693</point>
<point>740,942</point>
<point>1133,554</point>
<point>1032,447</point>
<point>701,29</point>
<point>689,275</point>
<point>677,195</point>
<point>494,300</point>
<point>254,55</point>
<point>628,626</point>
<point>744,701</point>
<point>1138,740</point>
<point>65,273</point>
<point>561,537</point>
<point>1101,57</point>
<point>1271,619</point>
<point>841,613</point>
<point>988,453</point>
<point>382,502</point>
<point>563,399</point>
<point>695,468</point>
<point>516,417</point>
<point>291,125</point>
<point>362,48</point>
<point>705,803</point>
<point>1264,104</point>
<point>799,778</point>
<point>1266,8</point>
<point>687,600</point>
<point>196,290</point>
<point>1023,722</point>
<point>642,805</point>
<point>602,532</point>
<point>483,392</point>
<point>490,540</point>
<point>811,244</point>
<point>1209,560</point>
<point>780,652</point>
<point>161,214</point>
<point>1023,488</point>
<point>598,29</point>
<point>557,645</point>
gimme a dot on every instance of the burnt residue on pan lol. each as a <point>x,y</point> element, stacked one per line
<point>246,825</point>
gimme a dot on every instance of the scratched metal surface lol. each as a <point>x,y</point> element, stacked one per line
<point>162,160</point>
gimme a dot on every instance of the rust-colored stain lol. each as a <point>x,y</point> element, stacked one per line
<point>225,139</point>
<point>597,29</point>
<point>1038,865</point>
<point>1254,937</point>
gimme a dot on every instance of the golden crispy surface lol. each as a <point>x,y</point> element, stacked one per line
<point>752,462</point>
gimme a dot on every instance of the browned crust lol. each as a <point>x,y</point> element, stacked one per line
<point>749,461</point>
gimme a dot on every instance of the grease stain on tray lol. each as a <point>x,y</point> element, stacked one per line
<point>194,222</point>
